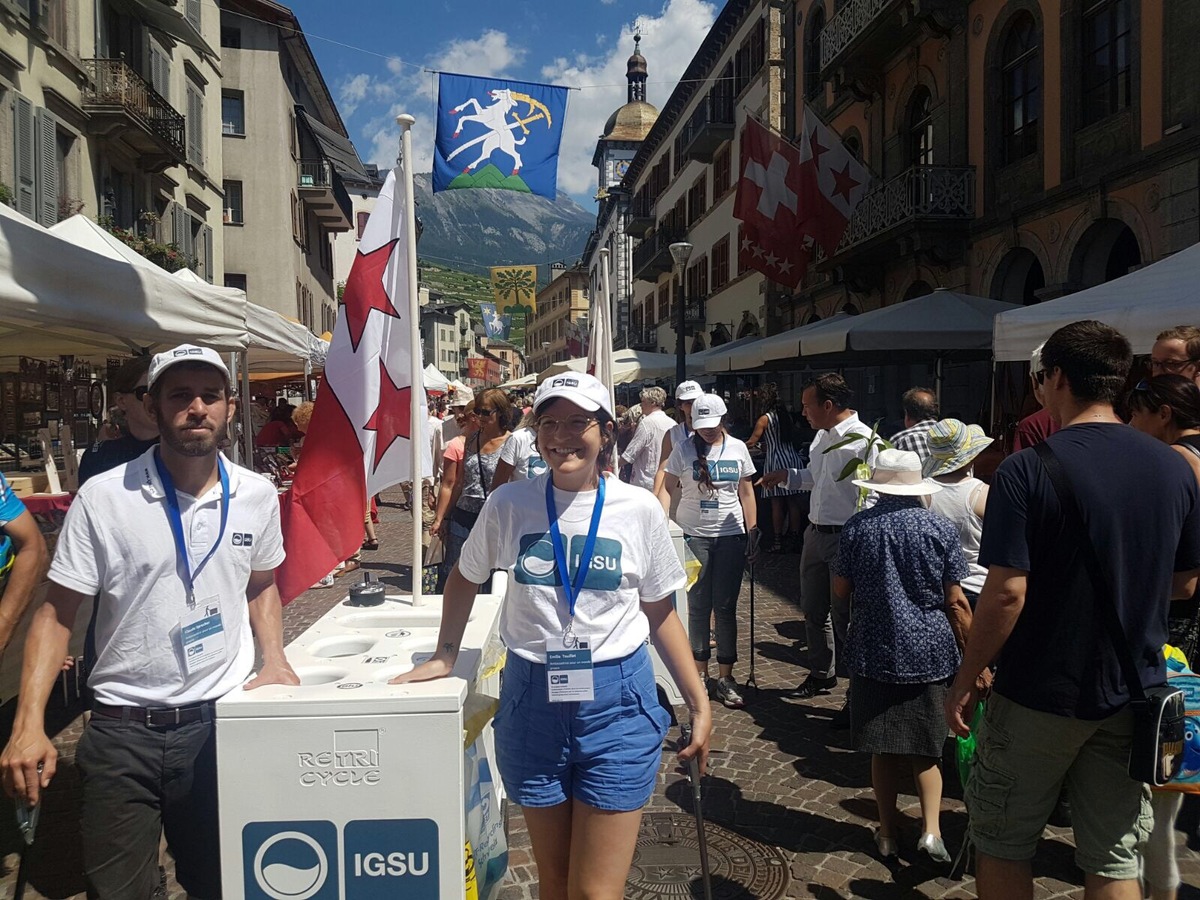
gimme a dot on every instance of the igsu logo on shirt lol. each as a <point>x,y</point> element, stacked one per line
<point>537,465</point>
<point>242,539</point>
<point>535,562</point>
<point>719,469</point>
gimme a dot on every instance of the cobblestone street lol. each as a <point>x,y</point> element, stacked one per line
<point>789,804</point>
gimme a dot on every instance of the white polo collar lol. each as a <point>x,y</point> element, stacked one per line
<point>152,485</point>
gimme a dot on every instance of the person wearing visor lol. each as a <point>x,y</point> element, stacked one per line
<point>181,547</point>
<point>686,394</point>
<point>713,473</point>
<point>579,729</point>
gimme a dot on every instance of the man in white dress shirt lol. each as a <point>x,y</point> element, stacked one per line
<point>642,454</point>
<point>826,405</point>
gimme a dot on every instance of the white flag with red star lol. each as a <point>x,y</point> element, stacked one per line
<point>358,441</point>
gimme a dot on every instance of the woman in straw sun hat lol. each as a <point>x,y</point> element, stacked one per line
<point>953,447</point>
<point>907,629</point>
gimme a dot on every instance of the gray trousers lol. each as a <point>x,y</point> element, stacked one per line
<point>825,618</point>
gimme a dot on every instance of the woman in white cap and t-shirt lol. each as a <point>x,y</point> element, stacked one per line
<point>686,394</point>
<point>718,515</point>
<point>579,751</point>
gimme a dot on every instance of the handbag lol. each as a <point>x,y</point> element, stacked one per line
<point>1156,750</point>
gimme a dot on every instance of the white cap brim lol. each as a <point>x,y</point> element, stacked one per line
<point>710,422</point>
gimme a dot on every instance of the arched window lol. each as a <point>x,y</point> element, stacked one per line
<point>852,143</point>
<point>920,128</point>
<point>1107,65</point>
<point>812,52</point>
<point>1021,74</point>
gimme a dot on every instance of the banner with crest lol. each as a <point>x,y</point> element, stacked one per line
<point>514,288</point>
<point>496,325</point>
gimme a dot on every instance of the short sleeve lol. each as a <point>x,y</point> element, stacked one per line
<point>77,563</point>
<point>1187,555</point>
<point>664,573</point>
<point>268,550</point>
<point>843,564</point>
<point>454,450</point>
<point>747,462</point>
<point>11,506</point>
<point>511,449</point>
<point>675,461</point>
<point>956,568</point>
<point>1005,541</point>
<point>635,444</point>
<point>481,550</point>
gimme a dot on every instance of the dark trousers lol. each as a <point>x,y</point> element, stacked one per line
<point>137,783</point>
<point>715,594</point>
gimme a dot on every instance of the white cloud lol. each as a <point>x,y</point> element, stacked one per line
<point>352,92</point>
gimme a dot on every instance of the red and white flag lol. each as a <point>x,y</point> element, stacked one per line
<point>791,197</point>
<point>358,441</point>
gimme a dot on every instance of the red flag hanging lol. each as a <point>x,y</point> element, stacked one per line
<point>841,181</point>
<point>357,442</point>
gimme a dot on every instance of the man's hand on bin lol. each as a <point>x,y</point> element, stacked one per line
<point>273,673</point>
<point>27,765</point>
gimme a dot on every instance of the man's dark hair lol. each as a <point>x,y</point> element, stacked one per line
<point>125,379</point>
<point>832,387</point>
<point>1175,391</point>
<point>920,403</point>
<point>1094,357</point>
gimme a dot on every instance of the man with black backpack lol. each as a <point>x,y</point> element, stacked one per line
<point>1085,545</point>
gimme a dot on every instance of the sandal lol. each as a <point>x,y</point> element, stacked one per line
<point>371,544</point>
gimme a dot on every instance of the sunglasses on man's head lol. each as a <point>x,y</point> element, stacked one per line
<point>140,391</point>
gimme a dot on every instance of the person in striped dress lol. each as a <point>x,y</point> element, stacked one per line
<point>774,430</point>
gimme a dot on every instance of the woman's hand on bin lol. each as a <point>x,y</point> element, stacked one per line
<point>436,667</point>
<point>701,723</point>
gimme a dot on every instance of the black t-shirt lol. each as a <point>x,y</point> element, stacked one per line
<point>105,455</point>
<point>1140,502</point>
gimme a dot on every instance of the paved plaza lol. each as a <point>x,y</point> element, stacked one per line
<point>789,805</point>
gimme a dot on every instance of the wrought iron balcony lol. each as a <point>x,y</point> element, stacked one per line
<point>923,197</point>
<point>652,257</point>
<point>642,339</point>
<point>694,311</point>
<point>867,31</point>
<point>122,105</point>
<point>710,126</point>
<point>324,193</point>
<point>641,212</point>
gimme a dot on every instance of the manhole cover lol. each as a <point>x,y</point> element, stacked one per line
<point>666,863</point>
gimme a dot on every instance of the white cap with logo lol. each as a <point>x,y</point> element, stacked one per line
<point>707,411</point>
<point>585,391</point>
<point>688,390</point>
<point>185,353</point>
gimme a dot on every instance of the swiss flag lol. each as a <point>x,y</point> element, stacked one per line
<point>791,197</point>
<point>358,441</point>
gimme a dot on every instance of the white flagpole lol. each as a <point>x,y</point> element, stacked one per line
<point>416,413</point>
<point>609,331</point>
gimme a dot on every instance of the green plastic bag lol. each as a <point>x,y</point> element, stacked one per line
<point>964,748</point>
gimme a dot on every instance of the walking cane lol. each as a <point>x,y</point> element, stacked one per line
<point>751,681</point>
<point>27,820</point>
<point>685,732</point>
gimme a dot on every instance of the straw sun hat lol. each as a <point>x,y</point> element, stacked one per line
<point>953,445</point>
<point>898,472</point>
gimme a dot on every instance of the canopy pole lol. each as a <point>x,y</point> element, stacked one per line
<point>418,418</point>
<point>308,379</point>
<point>937,368</point>
<point>247,417</point>
<point>235,447</point>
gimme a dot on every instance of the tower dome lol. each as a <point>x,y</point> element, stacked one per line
<point>632,122</point>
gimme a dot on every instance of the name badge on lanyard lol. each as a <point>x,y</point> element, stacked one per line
<point>569,658</point>
<point>201,630</point>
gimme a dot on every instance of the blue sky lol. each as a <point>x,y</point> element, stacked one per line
<point>373,54</point>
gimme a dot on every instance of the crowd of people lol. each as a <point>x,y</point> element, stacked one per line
<point>1030,608</point>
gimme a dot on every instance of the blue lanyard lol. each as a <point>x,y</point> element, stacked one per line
<point>176,519</point>
<point>573,590</point>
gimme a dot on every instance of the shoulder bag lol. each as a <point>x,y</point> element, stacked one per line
<point>1156,751</point>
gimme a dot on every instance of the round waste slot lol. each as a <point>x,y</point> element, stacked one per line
<point>386,675</point>
<point>393,619</point>
<point>311,675</point>
<point>342,645</point>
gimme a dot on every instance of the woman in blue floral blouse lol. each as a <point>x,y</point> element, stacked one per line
<point>908,624</point>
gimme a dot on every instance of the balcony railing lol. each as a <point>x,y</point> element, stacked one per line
<point>920,195</point>
<point>641,212</point>
<point>710,126</point>
<point>113,84</point>
<point>852,20</point>
<point>694,309</point>
<point>652,256</point>
<point>314,173</point>
<point>641,338</point>
<point>868,31</point>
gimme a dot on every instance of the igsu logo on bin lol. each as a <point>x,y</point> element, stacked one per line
<point>290,861</point>
<point>389,858</point>
<point>535,562</point>
<point>354,760</point>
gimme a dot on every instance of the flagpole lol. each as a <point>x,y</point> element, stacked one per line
<point>417,416</point>
<point>607,349</point>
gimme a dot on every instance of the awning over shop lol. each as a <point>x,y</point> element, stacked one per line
<point>1140,305</point>
<point>755,352</point>
<point>338,148</point>
<point>628,366</point>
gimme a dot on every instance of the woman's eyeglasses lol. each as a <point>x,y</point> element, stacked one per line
<point>574,425</point>
<point>485,412</point>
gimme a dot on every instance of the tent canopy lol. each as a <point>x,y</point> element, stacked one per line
<point>434,380</point>
<point>1140,305</point>
<point>628,366</point>
<point>59,298</point>
<point>756,352</point>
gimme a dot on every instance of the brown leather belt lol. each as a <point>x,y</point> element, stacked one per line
<point>158,716</point>
<point>826,529</point>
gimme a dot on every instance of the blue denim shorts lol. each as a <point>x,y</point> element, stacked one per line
<point>605,752</point>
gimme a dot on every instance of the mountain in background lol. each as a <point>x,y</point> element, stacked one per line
<point>471,230</point>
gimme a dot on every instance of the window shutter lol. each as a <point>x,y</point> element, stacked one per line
<point>160,72</point>
<point>47,168</point>
<point>207,232</point>
<point>179,227</point>
<point>193,13</point>
<point>23,156</point>
<point>195,126</point>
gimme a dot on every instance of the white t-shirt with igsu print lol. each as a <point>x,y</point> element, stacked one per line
<point>520,452</point>
<point>633,561</point>
<point>716,514</point>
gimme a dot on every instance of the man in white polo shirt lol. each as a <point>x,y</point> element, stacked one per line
<point>644,450</point>
<point>181,547</point>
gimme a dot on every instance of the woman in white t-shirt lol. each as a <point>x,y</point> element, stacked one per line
<point>519,458</point>
<point>719,518</point>
<point>578,748</point>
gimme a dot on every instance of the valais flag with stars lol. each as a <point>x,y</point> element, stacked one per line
<point>791,197</point>
<point>357,443</point>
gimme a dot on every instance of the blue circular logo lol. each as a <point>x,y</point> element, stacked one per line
<point>290,865</point>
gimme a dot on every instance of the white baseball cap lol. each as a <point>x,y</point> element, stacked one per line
<point>185,353</point>
<point>688,390</point>
<point>585,391</point>
<point>707,411</point>
<point>461,396</point>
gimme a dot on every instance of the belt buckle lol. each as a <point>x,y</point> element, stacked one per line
<point>161,717</point>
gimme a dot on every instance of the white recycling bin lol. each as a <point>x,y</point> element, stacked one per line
<point>349,788</point>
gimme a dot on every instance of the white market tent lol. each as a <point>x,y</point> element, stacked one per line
<point>57,298</point>
<point>529,380</point>
<point>628,366</point>
<point>1139,305</point>
<point>759,351</point>
<point>434,380</point>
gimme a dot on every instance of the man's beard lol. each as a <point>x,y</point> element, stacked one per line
<point>203,445</point>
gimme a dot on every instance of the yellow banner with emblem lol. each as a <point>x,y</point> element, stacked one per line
<point>515,287</point>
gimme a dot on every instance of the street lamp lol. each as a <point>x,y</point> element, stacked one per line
<point>681,252</point>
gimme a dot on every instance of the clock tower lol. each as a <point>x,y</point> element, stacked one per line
<point>626,128</point>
